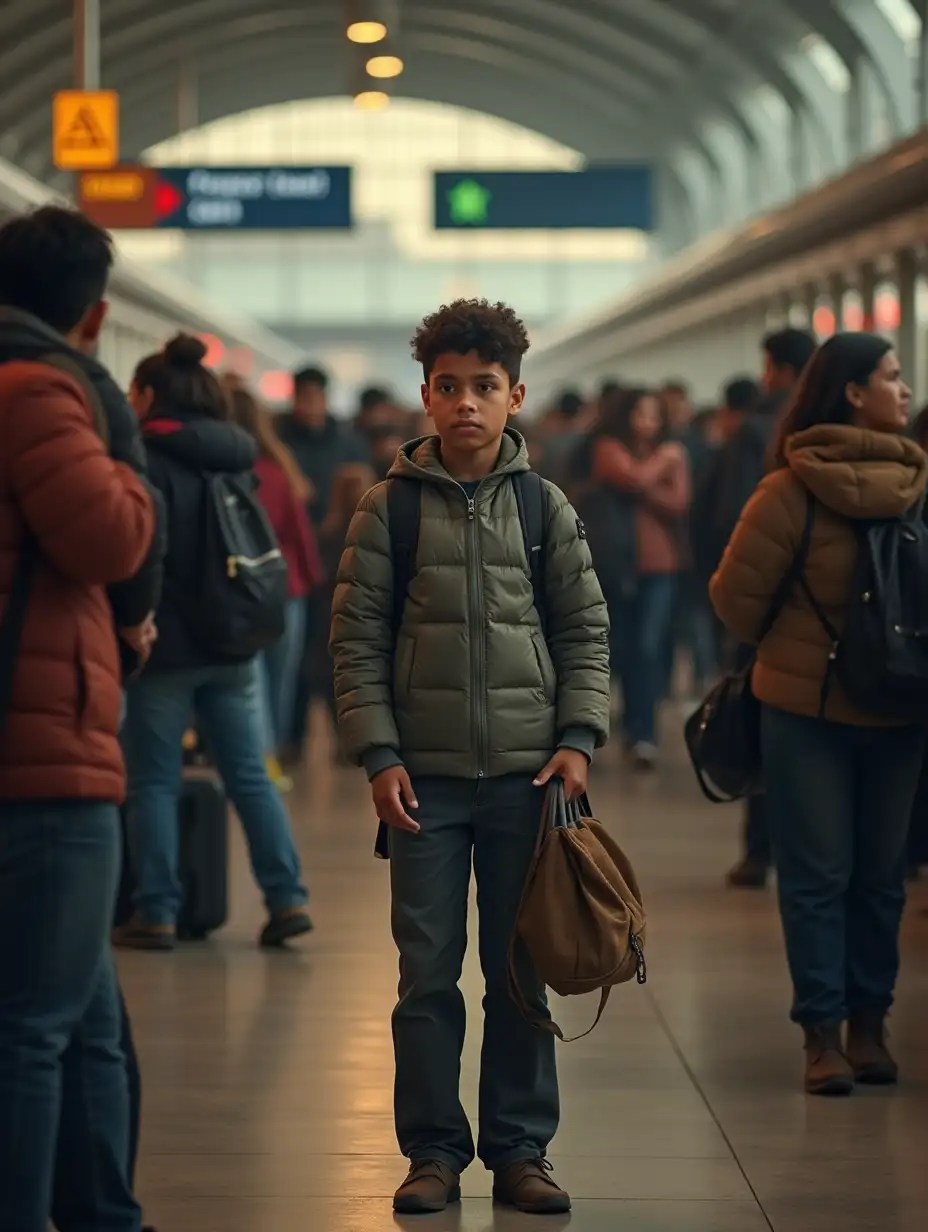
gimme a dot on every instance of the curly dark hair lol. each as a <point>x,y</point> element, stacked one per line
<point>492,330</point>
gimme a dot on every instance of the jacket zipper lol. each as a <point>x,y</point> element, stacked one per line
<point>478,660</point>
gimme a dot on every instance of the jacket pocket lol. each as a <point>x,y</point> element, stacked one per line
<point>82,693</point>
<point>97,682</point>
<point>545,667</point>
<point>405,662</point>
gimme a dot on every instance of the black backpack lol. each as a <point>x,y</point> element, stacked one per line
<point>404,498</point>
<point>239,608</point>
<point>881,658</point>
<point>404,512</point>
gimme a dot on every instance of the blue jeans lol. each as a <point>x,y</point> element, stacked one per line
<point>691,629</point>
<point>642,631</point>
<point>63,1088</point>
<point>493,822</point>
<point>839,799</point>
<point>226,702</point>
<point>280,668</point>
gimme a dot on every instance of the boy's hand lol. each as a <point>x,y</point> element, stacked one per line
<point>391,789</point>
<point>570,765</point>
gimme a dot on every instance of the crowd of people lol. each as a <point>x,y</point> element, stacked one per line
<point>132,615</point>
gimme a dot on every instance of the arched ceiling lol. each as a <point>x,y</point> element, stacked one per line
<point>611,78</point>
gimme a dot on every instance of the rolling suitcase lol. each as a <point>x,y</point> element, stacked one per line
<point>204,857</point>
<point>202,816</point>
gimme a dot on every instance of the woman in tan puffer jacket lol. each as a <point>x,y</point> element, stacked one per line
<point>839,783</point>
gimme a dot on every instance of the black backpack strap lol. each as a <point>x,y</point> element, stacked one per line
<point>404,514</point>
<point>532,501</point>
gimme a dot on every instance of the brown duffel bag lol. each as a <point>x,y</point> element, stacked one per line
<point>581,917</point>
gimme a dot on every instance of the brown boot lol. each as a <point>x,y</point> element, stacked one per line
<point>867,1052</point>
<point>828,1071</point>
<point>429,1187</point>
<point>529,1186</point>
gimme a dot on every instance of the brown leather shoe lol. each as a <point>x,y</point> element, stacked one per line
<point>828,1071</point>
<point>867,1052</point>
<point>529,1186</point>
<point>136,934</point>
<point>429,1187</point>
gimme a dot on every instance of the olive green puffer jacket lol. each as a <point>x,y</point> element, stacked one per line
<point>473,689</point>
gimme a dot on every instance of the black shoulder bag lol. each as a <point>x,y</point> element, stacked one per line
<point>723,735</point>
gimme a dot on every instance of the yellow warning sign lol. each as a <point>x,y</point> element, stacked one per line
<point>85,130</point>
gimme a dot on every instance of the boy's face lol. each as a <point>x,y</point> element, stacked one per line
<point>470,401</point>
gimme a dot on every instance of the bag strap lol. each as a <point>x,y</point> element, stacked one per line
<point>795,573</point>
<point>14,618</point>
<point>532,501</point>
<point>404,515</point>
<point>64,363</point>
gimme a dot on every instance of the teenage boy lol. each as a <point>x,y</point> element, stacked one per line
<point>459,731</point>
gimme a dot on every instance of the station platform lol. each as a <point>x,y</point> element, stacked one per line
<point>268,1077</point>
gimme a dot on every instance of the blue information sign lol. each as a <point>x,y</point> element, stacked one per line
<point>253,198</point>
<point>599,197</point>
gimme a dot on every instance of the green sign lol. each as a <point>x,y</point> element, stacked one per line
<point>468,203</point>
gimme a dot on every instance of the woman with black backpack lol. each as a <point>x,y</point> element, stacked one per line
<point>225,587</point>
<point>840,775</point>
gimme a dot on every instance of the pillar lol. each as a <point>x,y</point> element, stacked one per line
<point>866,283</point>
<point>907,337</point>
<point>809,301</point>
<point>87,44</point>
<point>837,286</point>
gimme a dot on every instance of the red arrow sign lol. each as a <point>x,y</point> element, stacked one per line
<point>168,199</point>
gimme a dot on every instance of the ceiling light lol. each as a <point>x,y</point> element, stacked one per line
<point>367,31</point>
<point>371,100</point>
<point>384,66</point>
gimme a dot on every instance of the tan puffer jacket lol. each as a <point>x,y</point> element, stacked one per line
<point>853,474</point>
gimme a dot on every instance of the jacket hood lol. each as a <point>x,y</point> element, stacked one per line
<point>421,458</point>
<point>857,472</point>
<point>200,443</point>
<point>24,336</point>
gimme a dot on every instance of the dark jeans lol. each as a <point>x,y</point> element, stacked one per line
<point>73,1202</point>
<point>839,800</point>
<point>308,684</point>
<point>641,635</point>
<point>757,832</point>
<point>495,822</point>
<point>64,1107</point>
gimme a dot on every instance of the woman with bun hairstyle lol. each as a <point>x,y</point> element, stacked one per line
<point>188,438</point>
<point>839,782</point>
<point>283,494</point>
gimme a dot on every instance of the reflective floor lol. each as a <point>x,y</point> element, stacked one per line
<point>268,1076</point>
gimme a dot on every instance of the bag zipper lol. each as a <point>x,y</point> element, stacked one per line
<point>234,563</point>
<point>641,967</point>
